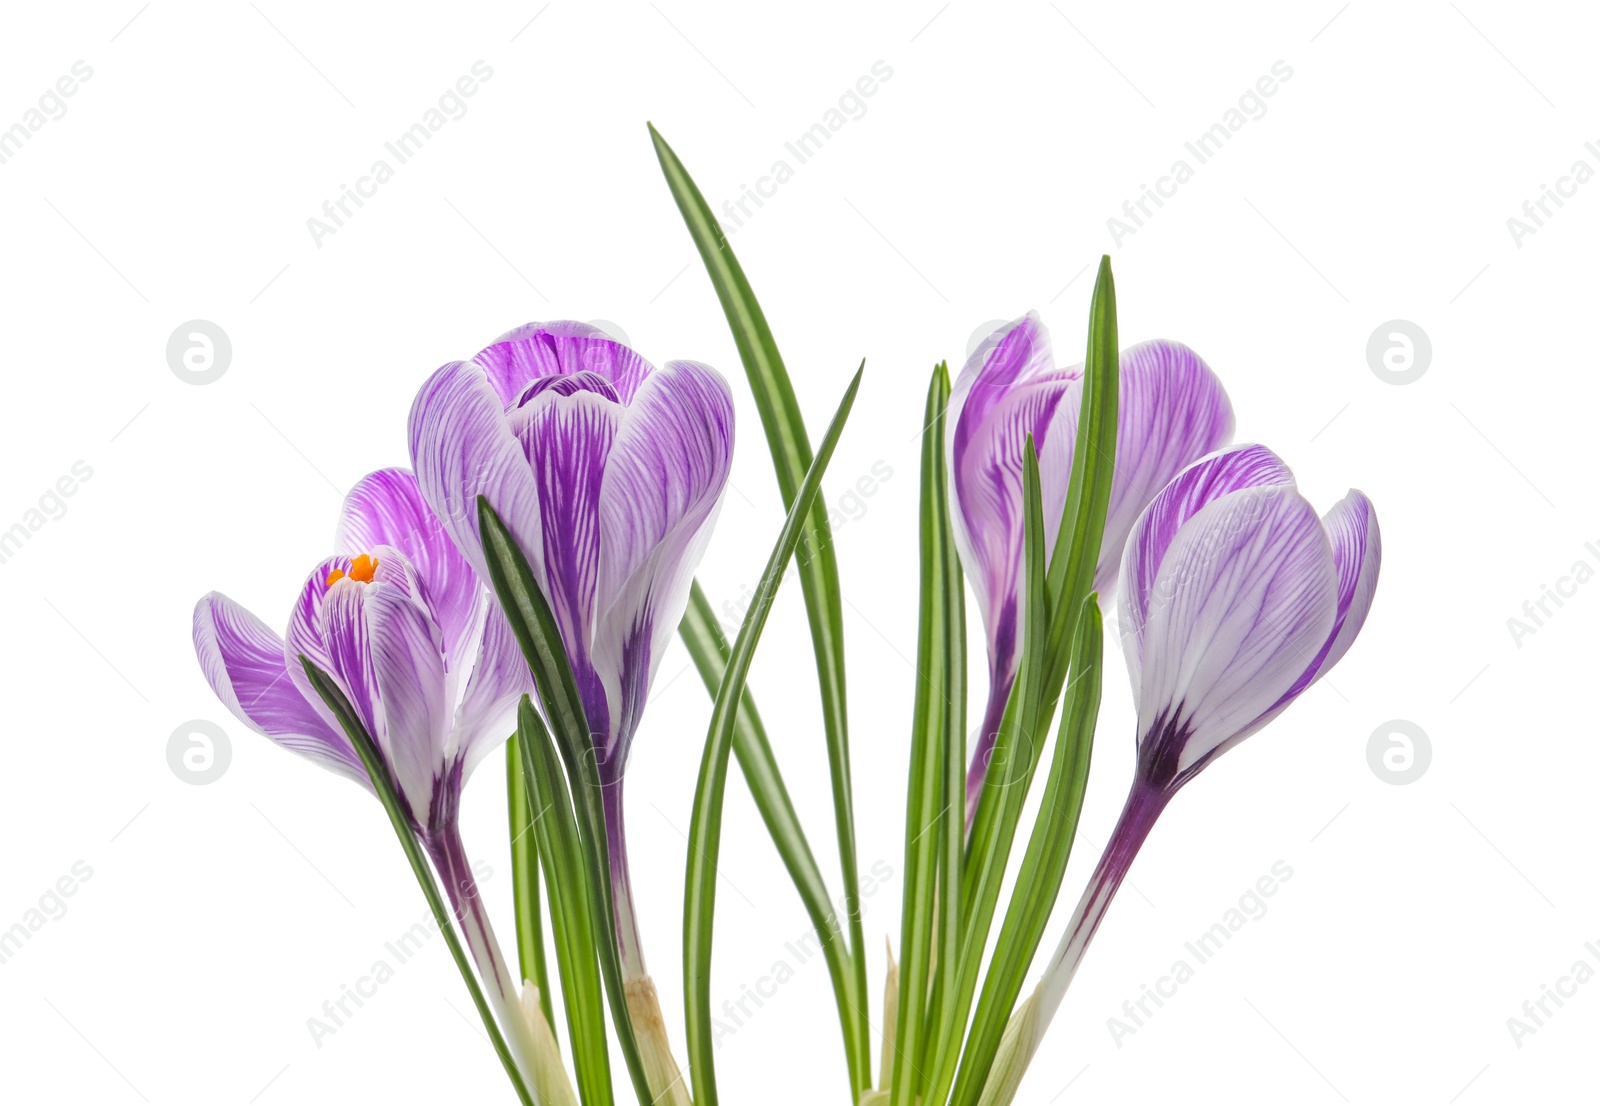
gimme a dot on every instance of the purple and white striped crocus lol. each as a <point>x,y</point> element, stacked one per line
<point>401,624</point>
<point>1236,599</point>
<point>1172,410</point>
<point>609,474</point>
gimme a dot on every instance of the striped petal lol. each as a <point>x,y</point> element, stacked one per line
<point>1018,353</point>
<point>386,653</point>
<point>1171,411</point>
<point>664,480</point>
<point>243,661</point>
<point>1210,479</point>
<point>462,447</point>
<point>408,668</point>
<point>1008,390</point>
<point>487,712</point>
<point>306,639</point>
<point>1352,528</point>
<point>566,426</point>
<point>534,350</point>
<point>386,508</point>
<point>1243,597</point>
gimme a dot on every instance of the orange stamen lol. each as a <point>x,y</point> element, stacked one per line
<point>362,569</point>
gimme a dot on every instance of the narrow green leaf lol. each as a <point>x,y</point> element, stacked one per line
<point>705,821</point>
<point>1045,862</point>
<point>819,571</point>
<point>525,879</point>
<point>1094,456</point>
<point>1006,783</point>
<point>534,625</point>
<point>932,713</point>
<point>709,649</point>
<point>378,772</point>
<point>951,823</point>
<point>561,851</point>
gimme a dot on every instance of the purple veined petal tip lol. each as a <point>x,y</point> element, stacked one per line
<point>564,348</point>
<point>1006,352</point>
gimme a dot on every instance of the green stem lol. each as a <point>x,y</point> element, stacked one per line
<point>525,880</point>
<point>378,772</point>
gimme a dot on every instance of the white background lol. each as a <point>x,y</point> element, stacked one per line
<point>977,185</point>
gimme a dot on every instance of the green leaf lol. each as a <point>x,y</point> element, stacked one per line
<point>819,571</point>
<point>705,821</point>
<point>1045,862</point>
<point>561,851</point>
<point>1094,457</point>
<point>941,656</point>
<point>1005,784</point>
<point>952,824</point>
<point>525,878</point>
<point>709,650</point>
<point>534,625</point>
<point>378,772</point>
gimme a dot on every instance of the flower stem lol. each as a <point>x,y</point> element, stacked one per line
<point>1144,805</point>
<point>630,946</point>
<point>983,748</point>
<point>461,886</point>
<point>400,819</point>
<point>525,880</point>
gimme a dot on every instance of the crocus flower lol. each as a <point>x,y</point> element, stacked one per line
<point>608,473</point>
<point>1236,598</point>
<point>1171,411</point>
<point>401,624</point>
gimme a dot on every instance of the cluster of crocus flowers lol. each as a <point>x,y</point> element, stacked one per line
<point>1172,411</point>
<point>607,475</point>
<point>404,629</point>
<point>1236,598</point>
